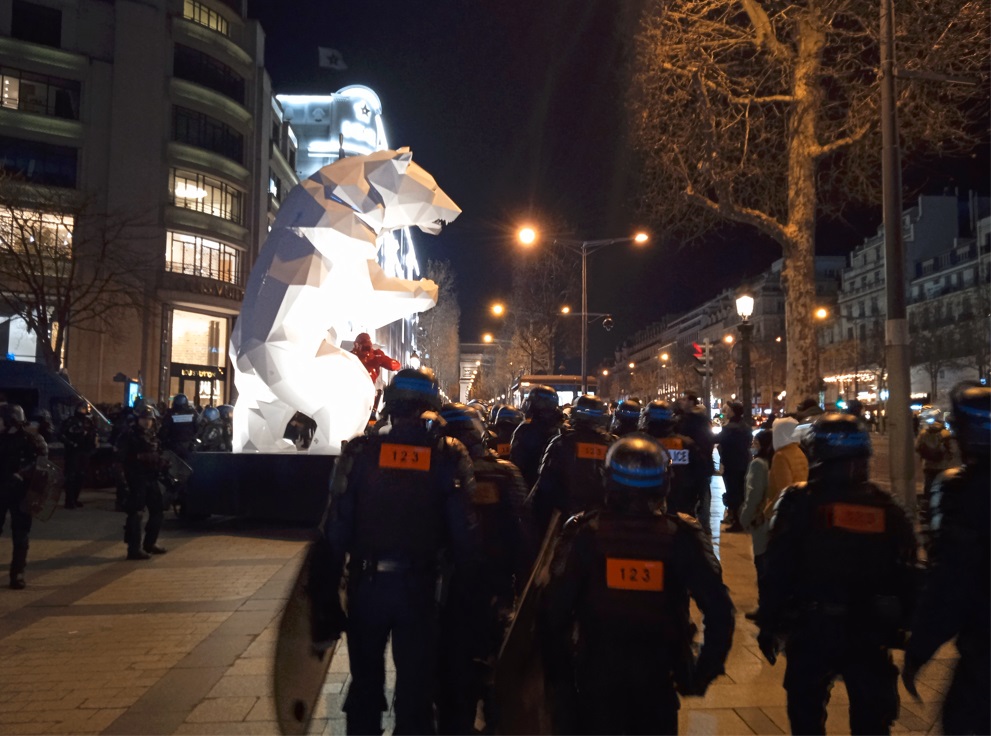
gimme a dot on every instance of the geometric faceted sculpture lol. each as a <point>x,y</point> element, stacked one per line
<point>316,278</point>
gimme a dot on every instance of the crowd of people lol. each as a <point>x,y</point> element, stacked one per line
<point>444,519</point>
<point>435,521</point>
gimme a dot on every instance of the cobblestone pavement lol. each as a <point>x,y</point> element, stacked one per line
<point>183,643</point>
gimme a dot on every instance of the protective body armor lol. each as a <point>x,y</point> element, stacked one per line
<point>686,472</point>
<point>79,434</point>
<point>141,455</point>
<point>570,478</point>
<point>179,431</point>
<point>211,436</point>
<point>498,502</point>
<point>18,452</point>
<point>528,445</point>
<point>402,480</point>
<point>854,552</point>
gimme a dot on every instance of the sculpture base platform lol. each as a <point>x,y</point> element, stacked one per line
<point>277,487</point>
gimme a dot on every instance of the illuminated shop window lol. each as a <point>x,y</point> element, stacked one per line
<point>43,236</point>
<point>198,256</point>
<point>206,194</point>
<point>39,93</point>
<point>200,13</point>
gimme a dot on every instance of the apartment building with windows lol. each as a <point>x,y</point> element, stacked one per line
<point>159,112</point>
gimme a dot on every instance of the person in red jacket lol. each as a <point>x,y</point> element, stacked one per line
<point>372,358</point>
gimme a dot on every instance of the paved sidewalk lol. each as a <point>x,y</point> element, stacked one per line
<point>183,643</point>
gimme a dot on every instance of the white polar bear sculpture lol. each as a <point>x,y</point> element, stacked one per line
<point>317,276</point>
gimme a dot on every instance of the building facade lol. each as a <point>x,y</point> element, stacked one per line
<point>159,113</point>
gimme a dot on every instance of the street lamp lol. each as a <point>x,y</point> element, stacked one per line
<point>745,308</point>
<point>498,309</point>
<point>528,236</point>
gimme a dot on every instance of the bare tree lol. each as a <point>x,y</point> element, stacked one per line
<point>934,343</point>
<point>765,113</point>
<point>437,329</point>
<point>542,284</point>
<point>66,266</point>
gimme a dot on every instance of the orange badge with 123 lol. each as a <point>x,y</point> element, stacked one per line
<point>624,574</point>
<point>404,457</point>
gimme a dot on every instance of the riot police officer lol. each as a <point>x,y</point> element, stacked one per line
<point>688,468</point>
<point>19,451</point>
<point>210,434</point>
<point>626,417</point>
<point>624,574</point>
<point>141,455</point>
<point>400,509</point>
<point>694,421</point>
<point>227,425</point>
<point>470,646</point>
<point>955,598</point>
<point>543,421</point>
<point>839,583</point>
<point>570,474</point>
<point>79,438</point>
<point>502,423</point>
<point>179,427</point>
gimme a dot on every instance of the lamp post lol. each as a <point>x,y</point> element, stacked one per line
<point>745,308</point>
<point>528,236</point>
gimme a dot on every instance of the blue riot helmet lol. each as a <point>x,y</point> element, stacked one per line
<point>835,437</point>
<point>658,419</point>
<point>635,464</point>
<point>506,416</point>
<point>464,424</point>
<point>411,392</point>
<point>211,414</point>
<point>542,403</point>
<point>972,419</point>
<point>626,417</point>
<point>589,410</point>
<point>226,412</point>
<point>180,402</point>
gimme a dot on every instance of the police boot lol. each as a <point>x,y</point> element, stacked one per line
<point>18,562</point>
<point>152,528</point>
<point>132,536</point>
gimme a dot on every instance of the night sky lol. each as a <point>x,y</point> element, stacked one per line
<point>517,109</point>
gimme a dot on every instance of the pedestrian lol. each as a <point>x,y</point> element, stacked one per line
<point>19,453</point>
<point>616,610</point>
<point>570,479</point>
<point>956,596</point>
<point>789,465</point>
<point>80,441</point>
<point>688,469</point>
<point>934,444</point>
<point>840,581</point>
<point>542,413</point>
<point>753,515</point>
<point>141,456</point>
<point>694,421</point>
<point>734,443</point>
<point>469,648</point>
<point>400,514</point>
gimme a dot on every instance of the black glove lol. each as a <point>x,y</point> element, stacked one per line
<point>769,647</point>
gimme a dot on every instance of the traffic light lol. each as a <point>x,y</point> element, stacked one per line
<point>700,355</point>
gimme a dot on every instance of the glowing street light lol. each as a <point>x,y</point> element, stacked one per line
<point>498,309</point>
<point>665,357</point>
<point>566,310</point>
<point>821,313</point>
<point>745,308</point>
<point>529,236</point>
<point>488,338</point>
<point>728,339</point>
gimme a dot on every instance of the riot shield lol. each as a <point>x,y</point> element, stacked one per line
<point>300,666</point>
<point>520,693</point>
<point>44,490</point>
<point>174,477</point>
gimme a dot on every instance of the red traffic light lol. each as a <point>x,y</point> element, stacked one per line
<point>699,353</point>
